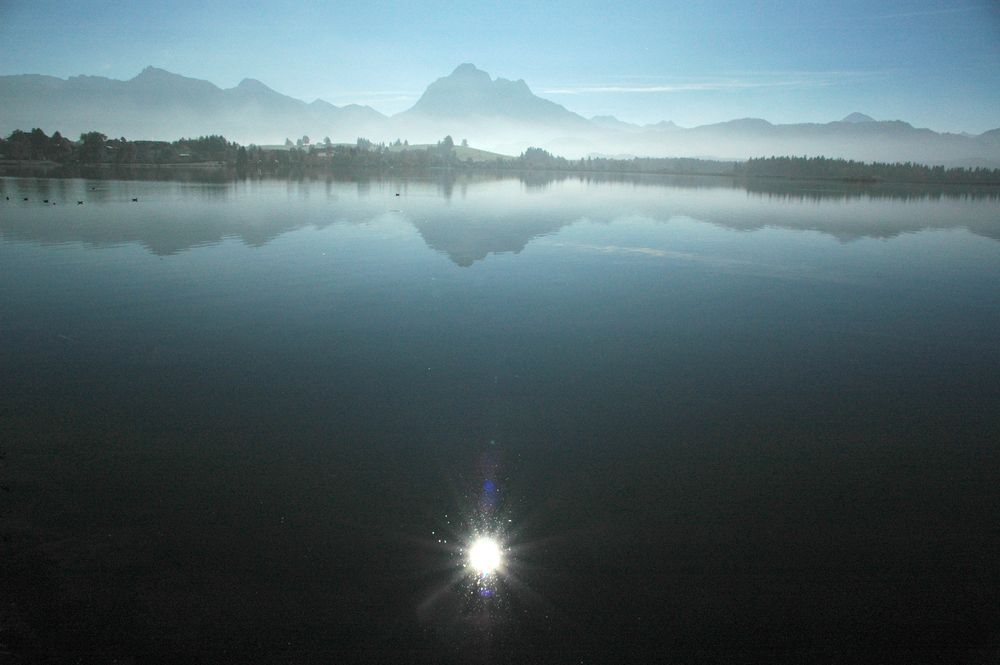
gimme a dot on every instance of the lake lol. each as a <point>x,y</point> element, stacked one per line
<point>264,420</point>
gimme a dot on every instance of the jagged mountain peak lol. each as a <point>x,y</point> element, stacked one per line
<point>470,92</point>
<point>469,71</point>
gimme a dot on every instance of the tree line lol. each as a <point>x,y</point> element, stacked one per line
<point>824,168</point>
<point>94,148</point>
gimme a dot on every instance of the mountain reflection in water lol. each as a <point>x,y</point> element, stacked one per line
<point>469,218</point>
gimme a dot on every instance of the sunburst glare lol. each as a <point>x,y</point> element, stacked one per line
<point>485,556</point>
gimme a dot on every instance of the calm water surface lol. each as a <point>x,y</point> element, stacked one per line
<point>259,421</point>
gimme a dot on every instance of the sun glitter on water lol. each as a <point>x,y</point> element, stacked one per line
<point>485,556</point>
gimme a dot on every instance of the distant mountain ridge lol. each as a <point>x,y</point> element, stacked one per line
<point>498,114</point>
<point>157,104</point>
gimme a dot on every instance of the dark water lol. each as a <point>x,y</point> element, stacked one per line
<point>257,422</point>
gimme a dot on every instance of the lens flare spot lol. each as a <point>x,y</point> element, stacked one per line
<point>485,556</point>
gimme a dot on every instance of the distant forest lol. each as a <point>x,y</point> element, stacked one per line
<point>821,168</point>
<point>94,148</point>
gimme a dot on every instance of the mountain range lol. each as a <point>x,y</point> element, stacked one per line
<point>496,114</point>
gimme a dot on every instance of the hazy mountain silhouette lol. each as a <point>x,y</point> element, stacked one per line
<point>470,92</point>
<point>504,114</point>
<point>858,117</point>
<point>663,126</point>
<point>866,140</point>
<point>991,137</point>
<point>614,124</point>
<point>158,104</point>
<point>496,114</point>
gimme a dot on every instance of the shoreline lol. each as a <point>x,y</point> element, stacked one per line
<point>49,169</point>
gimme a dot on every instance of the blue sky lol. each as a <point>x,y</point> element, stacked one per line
<point>934,64</point>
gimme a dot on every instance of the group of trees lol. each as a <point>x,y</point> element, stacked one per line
<point>96,148</point>
<point>539,159</point>
<point>823,168</point>
<point>35,145</point>
<point>369,154</point>
<point>304,142</point>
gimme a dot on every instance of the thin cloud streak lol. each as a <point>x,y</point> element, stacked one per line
<point>717,85</point>
<point>670,87</point>
<point>377,100</point>
<point>367,97</point>
<point>932,12</point>
<point>380,93</point>
<point>368,94</point>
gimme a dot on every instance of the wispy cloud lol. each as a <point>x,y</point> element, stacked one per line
<point>369,101</point>
<point>368,97</point>
<point>933,12</point>
<point>714,84</point>
<point>667,87</point>
<point>374,98</point>
<point>379,93</point>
